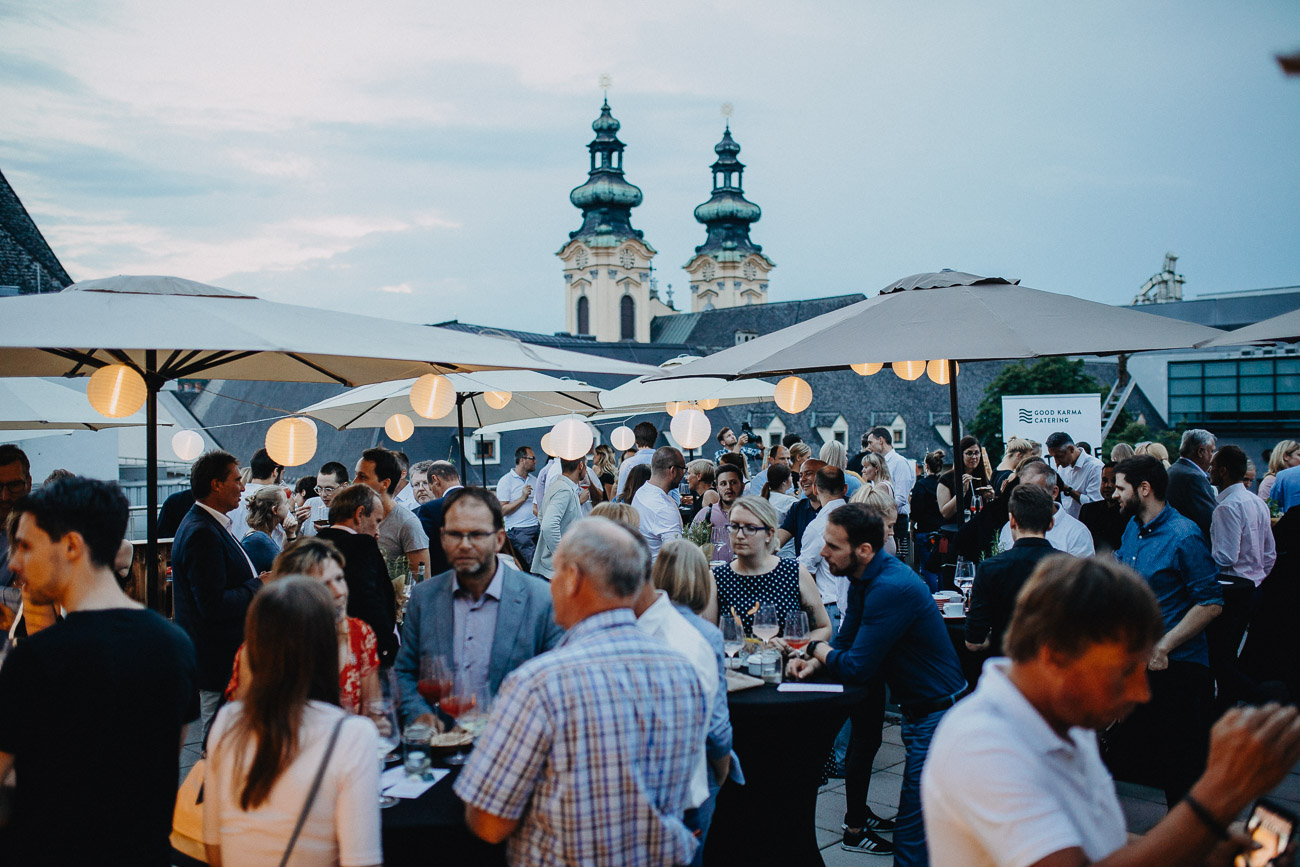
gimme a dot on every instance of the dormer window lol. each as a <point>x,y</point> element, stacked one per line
<point>745,336</point>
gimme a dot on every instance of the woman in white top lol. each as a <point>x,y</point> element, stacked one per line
<point>776,490</point>
<point>265,751</point>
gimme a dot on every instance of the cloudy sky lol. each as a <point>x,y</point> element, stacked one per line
<point>413,158</point>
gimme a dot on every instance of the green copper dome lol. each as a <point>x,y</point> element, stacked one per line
<point>606,199</point>
<point>728,214</point>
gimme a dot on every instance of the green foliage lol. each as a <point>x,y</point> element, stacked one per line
<point>1044,376</point>
<point>1136,432</point>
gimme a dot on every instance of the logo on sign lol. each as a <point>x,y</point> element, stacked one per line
<point>1026,416</point>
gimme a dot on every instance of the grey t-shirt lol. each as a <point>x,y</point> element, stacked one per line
<point>401,533</point>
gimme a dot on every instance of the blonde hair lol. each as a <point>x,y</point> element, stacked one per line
<point>262,506</point>
<point>1156,450</point>
<point>604,461</point>
<point>621,513</point>
<point>1121,452</point>
<point>764,511</point>
<point>882,469</point>
<point>834,454</point>
<point>1280,451</point>
<point>1017,446</point>
<point>799,452</point>
<point>879,498</point>
<point>682,571</point>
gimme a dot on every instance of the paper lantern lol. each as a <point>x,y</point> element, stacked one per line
<point>622,438</point>
<point>673,407</point>
<point>497,399</point>
<point>571,439</point>
<point>291,442</point>
<point>937,370</point>
<point>708,403</point>
<point>187,444</point>
<point>691,428</point>
<point>793,394</point>
<point>546,444</point>
<point>116,391</point>
<point>433,396</point>
<point>909,370</point>
<point>866,369</point>
<point>399,427</point>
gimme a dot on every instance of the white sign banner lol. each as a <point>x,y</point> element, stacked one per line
<point>1037,416</point>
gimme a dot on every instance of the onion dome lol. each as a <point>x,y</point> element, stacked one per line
<point>728,214</point>
<point>606,199</point>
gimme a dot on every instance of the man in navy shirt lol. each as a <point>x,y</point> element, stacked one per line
<point>1165,741</point>
<point>892,626</point>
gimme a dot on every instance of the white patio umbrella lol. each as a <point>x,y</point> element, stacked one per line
<point>35,404</point>
<point>533,395</point>
<point>648,393</point>
<point>1283,328</point>
<point>170,328</point>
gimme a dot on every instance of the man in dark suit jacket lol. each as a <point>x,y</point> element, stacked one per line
<point>999,579</point>
<point>1189,490</point>
<point>355,513</point>
<point>483,616</point>
<point>443,479</point>
<point>213,581</point>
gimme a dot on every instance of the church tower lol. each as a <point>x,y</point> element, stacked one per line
<point>728,269</point>
<point>609,293</point>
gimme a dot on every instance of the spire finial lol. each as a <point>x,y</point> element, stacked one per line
<point>605,82</point>
<point>727,110</point>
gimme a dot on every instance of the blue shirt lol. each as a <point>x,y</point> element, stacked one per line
<point>1286,488</point>
<point>1170,553</point>
<point>593,745</point>
<point>891,624</point>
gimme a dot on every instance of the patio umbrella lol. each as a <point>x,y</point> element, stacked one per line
<point>171,328</point>
<point>1283,328</point>
<point>533,395</point>
<point>34,404</point>
<point>650,393</point>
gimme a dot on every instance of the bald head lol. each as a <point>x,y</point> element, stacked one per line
<point>667,468</point>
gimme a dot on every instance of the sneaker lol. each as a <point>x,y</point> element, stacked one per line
<point>874,822</point>
<point>867,842</point>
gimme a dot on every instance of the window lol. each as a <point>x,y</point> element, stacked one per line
<point>627,318</point>
<point>480,450</point>
<point>584,315</point>
<point>1247,390</point>
<point>745,336</point>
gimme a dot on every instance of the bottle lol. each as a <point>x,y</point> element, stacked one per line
<point>419,575</point>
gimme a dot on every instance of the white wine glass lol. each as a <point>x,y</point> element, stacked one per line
<point>765,625</point>
<point>733,635</point>
<point>383,714</point>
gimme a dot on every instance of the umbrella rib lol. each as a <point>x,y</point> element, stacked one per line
<point>223,357</point>
<point>316,367</point>
<point>186,358</point>
<point>576,399</point>
<point>358,416</point>
<point>82,359</point>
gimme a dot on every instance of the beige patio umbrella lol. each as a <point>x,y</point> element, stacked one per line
<point>1283,328</point>
<point>35,404</point>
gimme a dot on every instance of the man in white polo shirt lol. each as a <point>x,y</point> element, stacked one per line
<point>515,491</point>
<point>1014,776</point>
<point>661,520</point>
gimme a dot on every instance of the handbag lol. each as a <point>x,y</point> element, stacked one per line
<point>187,818</point>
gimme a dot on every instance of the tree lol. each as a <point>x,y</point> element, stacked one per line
<point>1136,432</point>
<point>1044,376</point>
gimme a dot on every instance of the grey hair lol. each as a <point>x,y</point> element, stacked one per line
<point>1193,440</point>
<point>617,558</point>
<point>834,453</point>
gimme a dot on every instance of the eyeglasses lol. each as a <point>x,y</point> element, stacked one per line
<point>745,530</point>
<point>327,489</point>
<point>474,536</point>
<point>17,487</point>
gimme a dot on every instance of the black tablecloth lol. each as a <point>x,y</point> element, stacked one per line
<point>782,740</point>
<point>431,829</point>
<point>971,663</point>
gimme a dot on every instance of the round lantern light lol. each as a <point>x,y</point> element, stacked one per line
<point>497,399</point>
<point>187,444</point>
<point>433,396</point>
<point>571,439</point>
<point>708,403</point>
<point>866,369</point>
<point>622,438</point>
<point>291,442</point>
<point>937,370</point>
<point>399,427</point>
<point>116,390</point>
<point>793,394</point>
<point>909,370</point>
<point>673,407</point>
<point>691,428</point>
<point>546,444</point>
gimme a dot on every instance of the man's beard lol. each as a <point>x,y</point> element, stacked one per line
<point>1129,508</point>
<point>851,570</point>
<point>480,570</point>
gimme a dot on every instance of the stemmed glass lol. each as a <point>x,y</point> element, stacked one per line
<point>796,630</point>
<point>733,636</point>
<point>383,713</point>
<point>460,703</point>
<point>435,680</point>
<point>765,625</point>
<point>721,538</point>
<point>964,576</point>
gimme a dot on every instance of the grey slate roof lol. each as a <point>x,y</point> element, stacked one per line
<point>711,330</point>
<point>23,250</point>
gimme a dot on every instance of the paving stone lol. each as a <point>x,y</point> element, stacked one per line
<point>889,756</point>
<point>834,856</point>
<point>893,735</point>
<point>828,838</point>
<point>830,811</point>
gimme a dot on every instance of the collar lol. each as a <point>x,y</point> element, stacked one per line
<point>657,610</point>
<point>344,528</point>
<point>611,619</point>
<point>493,588</point>
<point>524,476</point>
<point>875,567</point>
<point>1231,491</point>
<point>1187,463</point>
<point>831,506</point>
<point>450,489</point>
<point>222,518</point>
<point>1155,523</point>
<point>1031,542</point>
<point>1024,718</point>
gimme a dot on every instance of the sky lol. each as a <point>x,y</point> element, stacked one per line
<point>413,159</point>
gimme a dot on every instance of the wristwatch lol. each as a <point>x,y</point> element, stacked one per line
<point>812,645</point>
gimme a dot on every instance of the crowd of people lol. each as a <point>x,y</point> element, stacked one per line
<point>587,597</point>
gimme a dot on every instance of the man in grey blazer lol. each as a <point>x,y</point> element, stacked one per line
<point>1189,490</point>
<point>484,617</point>
<point>561,508</point>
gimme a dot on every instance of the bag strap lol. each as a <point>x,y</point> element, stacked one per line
<point>315,787</point>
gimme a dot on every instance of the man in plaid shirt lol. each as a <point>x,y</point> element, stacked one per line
<point>589,753</point>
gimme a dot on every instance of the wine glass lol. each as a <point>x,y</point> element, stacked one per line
<point>435,680</point>
<point>796,630</point>
<point>765,625</point>
<point>382,712</point>
<point>721,538</point>
<point>459,703</point>
<point>964,576</point>
<point>733,635</point>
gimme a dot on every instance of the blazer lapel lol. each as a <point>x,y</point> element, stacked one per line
<point>234,551</point>
<point>510,620</point>
<point>444,626</point>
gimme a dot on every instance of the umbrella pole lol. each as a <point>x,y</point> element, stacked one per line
<point>956,436</point>
<point>460,430</point>
<point>153,591</point>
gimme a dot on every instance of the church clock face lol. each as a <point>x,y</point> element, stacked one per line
<point>626,258</point>
<point>707,271</point>
<point>750,271</point>
<point>580,260</point>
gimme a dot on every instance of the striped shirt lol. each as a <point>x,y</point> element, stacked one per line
<point>593,744</point>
